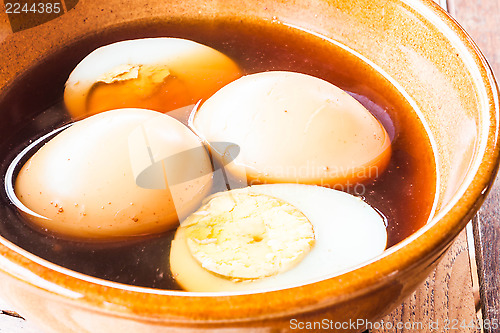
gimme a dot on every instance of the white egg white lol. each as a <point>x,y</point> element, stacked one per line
<point>348,232</point>
<point>293,128</point>
<point>104,178</point>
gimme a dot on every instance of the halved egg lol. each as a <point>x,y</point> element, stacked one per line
<point>114,175</point>
<point>160,74</point>
<point>267,237</point>
<point>293,128</point>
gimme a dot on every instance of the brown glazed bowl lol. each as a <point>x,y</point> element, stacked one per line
<point>414,42</point>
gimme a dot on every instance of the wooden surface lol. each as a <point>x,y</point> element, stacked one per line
<point>447,296</point>
<point>444,301</point>
<point>481,18</point>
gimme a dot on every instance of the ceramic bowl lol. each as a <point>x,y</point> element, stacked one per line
<point>417,45</point>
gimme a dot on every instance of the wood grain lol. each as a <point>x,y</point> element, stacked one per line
<point>445,299</point>
<point>481,18</point>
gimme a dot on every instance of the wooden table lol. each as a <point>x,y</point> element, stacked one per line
<point>451,294</point>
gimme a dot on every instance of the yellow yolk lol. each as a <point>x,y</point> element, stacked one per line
<point>248,235</point>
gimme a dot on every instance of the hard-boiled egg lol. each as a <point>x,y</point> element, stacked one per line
<point>293,128</point>
<point>267,237</point>
<point>117,174</point>
<point>160,74</point>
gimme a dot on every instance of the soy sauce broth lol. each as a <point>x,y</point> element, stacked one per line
<point>404,193</point>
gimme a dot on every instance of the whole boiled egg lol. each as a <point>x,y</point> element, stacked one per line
<point>293,128</point>
<point>117,174</point>
<point>268,237</point>
<point>160,74</point>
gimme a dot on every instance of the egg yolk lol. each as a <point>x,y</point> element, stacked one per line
<point>248,235</point>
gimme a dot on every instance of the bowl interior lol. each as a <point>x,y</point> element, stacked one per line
<point>415,45</point>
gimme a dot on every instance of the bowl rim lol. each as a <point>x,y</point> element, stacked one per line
<point>183,307</point>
